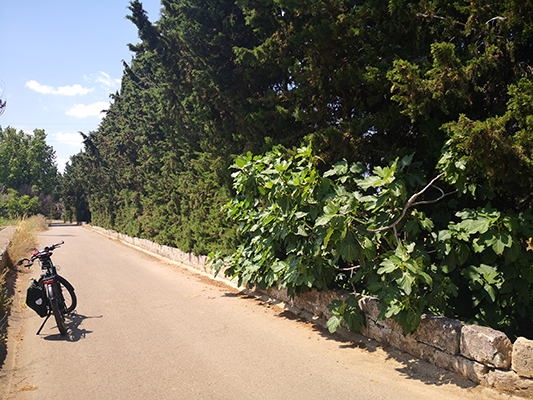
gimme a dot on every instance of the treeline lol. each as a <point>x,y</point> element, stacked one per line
<point>29,180</point>
<point>445,85</point>
<point>361,80</point>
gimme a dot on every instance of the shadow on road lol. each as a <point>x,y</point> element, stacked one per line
<point>74,332</point>
<point>63,224</point>
<point>410,366</point>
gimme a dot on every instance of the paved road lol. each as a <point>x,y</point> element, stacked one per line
<point>147,329</point>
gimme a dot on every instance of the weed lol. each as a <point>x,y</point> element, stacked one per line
<point>22,242</point>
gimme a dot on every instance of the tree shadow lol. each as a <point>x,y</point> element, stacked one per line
<point>63,224</point>
<point>409,366</point>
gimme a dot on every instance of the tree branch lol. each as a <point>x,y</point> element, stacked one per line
<point>438,17</point>
<point>409,204</point>
<point>350,269</point>
<point>443,195</point>
<point>494,19</point>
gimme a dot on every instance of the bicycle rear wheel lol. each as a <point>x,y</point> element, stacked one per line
<point>53,297</point>
<point>67,295</point>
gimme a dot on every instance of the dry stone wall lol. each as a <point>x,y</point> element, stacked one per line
<point>481,354</point>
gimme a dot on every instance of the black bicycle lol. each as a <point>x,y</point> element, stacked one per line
<point>51,294</point>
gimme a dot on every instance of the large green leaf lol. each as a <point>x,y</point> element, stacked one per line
<point>500,241</point>
<point>349,248</point>
<point>463,252</point>
<point>323,220</point>
<point>479,225</point>
<point>389,265</point>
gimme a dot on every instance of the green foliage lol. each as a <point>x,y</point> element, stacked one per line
<point>28,174</point>
<point>378,233</point>
<point>157,166</point>
<point>26,160</point>
<point>73,191</point>
<point>17,207</point>
<point>7,221</point>
<point>487,252</point>
<point>347,312</point>
<point>277,204</point>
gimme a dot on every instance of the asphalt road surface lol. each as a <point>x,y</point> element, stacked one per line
<point>149,329</point>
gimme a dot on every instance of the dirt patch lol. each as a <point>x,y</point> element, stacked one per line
<point>18,282</point>
<point>8,290</point>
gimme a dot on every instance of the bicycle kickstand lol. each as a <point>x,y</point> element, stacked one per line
<point>44,322</point>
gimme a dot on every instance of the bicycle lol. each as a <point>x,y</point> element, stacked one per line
<point>46,296</point>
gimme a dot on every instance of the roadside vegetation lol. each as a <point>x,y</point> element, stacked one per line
<point>24,239</point>
<point>21,245</point>
<point>415,243</point>
<point>8,221</point>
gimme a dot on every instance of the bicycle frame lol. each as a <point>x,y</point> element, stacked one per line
<point>52,282</point>
<point>49,279</point>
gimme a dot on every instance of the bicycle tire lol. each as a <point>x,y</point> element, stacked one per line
<point>56,310</point>
<point>70,302</point>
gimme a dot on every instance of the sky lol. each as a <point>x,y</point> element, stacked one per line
<point>59,62</point>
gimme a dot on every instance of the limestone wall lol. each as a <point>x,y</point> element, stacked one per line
<point>481,354</point>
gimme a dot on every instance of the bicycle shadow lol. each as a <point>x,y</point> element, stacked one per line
<point>74,332</point>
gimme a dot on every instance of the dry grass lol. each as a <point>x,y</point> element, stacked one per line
<point>22,243</point>
<point>24,239</point>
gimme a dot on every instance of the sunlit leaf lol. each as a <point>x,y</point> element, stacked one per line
<point>334,323</point>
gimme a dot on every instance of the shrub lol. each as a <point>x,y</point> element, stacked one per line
<point>389,232</point>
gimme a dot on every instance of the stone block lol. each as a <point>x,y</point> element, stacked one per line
<point>486,345</point>
<point>376,332</point>
<point>468,368</point>
<point>369,305</point>
<point>509,381</point>
<point>411,346</point>
<point>440,332</point>
<point>523,357</point>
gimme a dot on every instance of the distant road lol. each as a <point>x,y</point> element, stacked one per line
<point>147,329</point>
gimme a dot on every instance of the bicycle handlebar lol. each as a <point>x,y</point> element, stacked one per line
<point>40,253</point>
<point>53,246</point>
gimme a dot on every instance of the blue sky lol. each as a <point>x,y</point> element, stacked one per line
<point>59,62</point>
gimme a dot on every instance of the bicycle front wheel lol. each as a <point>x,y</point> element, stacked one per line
<point>53,297</point>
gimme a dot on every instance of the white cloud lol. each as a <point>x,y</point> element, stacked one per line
<point>72,139</point>
<point>73,90</point>
<point>106,80</point>
<point>89,110</point>
<point>37,87</point>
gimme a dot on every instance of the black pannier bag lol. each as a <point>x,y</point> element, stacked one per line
<point>36,299</point>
